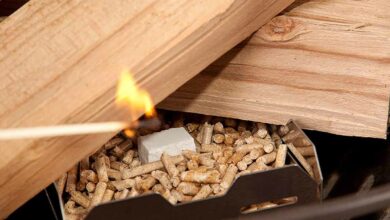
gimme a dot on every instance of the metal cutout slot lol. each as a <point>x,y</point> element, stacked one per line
<point>269,205</point>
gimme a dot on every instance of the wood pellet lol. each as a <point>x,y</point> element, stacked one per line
<point>227,149</point>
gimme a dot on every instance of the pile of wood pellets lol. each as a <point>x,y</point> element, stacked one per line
<point>226,149</point>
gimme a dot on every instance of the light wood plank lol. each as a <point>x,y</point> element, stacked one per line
<point>325,64</point>
<point>60,61</point>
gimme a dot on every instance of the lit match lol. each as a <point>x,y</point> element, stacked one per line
<point>75,129</point>
<point>127,94</point>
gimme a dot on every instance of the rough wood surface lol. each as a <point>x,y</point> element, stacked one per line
<point>60,61</point>
<point>325,64</point>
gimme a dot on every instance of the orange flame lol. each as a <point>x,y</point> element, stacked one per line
<point>128,94</point>
<point>129,133</point>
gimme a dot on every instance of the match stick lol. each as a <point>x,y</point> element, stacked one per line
<point>74,129</point>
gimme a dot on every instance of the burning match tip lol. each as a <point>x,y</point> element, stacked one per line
<point>152,123</point>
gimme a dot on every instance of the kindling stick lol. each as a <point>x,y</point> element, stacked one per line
<point>74,129</point>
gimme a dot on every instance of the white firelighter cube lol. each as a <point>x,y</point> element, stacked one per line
<point>171,141</point>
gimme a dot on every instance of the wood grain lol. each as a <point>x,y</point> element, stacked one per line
<point>325,64</point>
<point>60,61</point>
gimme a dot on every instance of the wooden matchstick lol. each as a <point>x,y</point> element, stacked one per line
<point>74,129</point>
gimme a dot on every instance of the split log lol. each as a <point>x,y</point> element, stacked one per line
<point>325,64</point>
<point>60,61</point>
